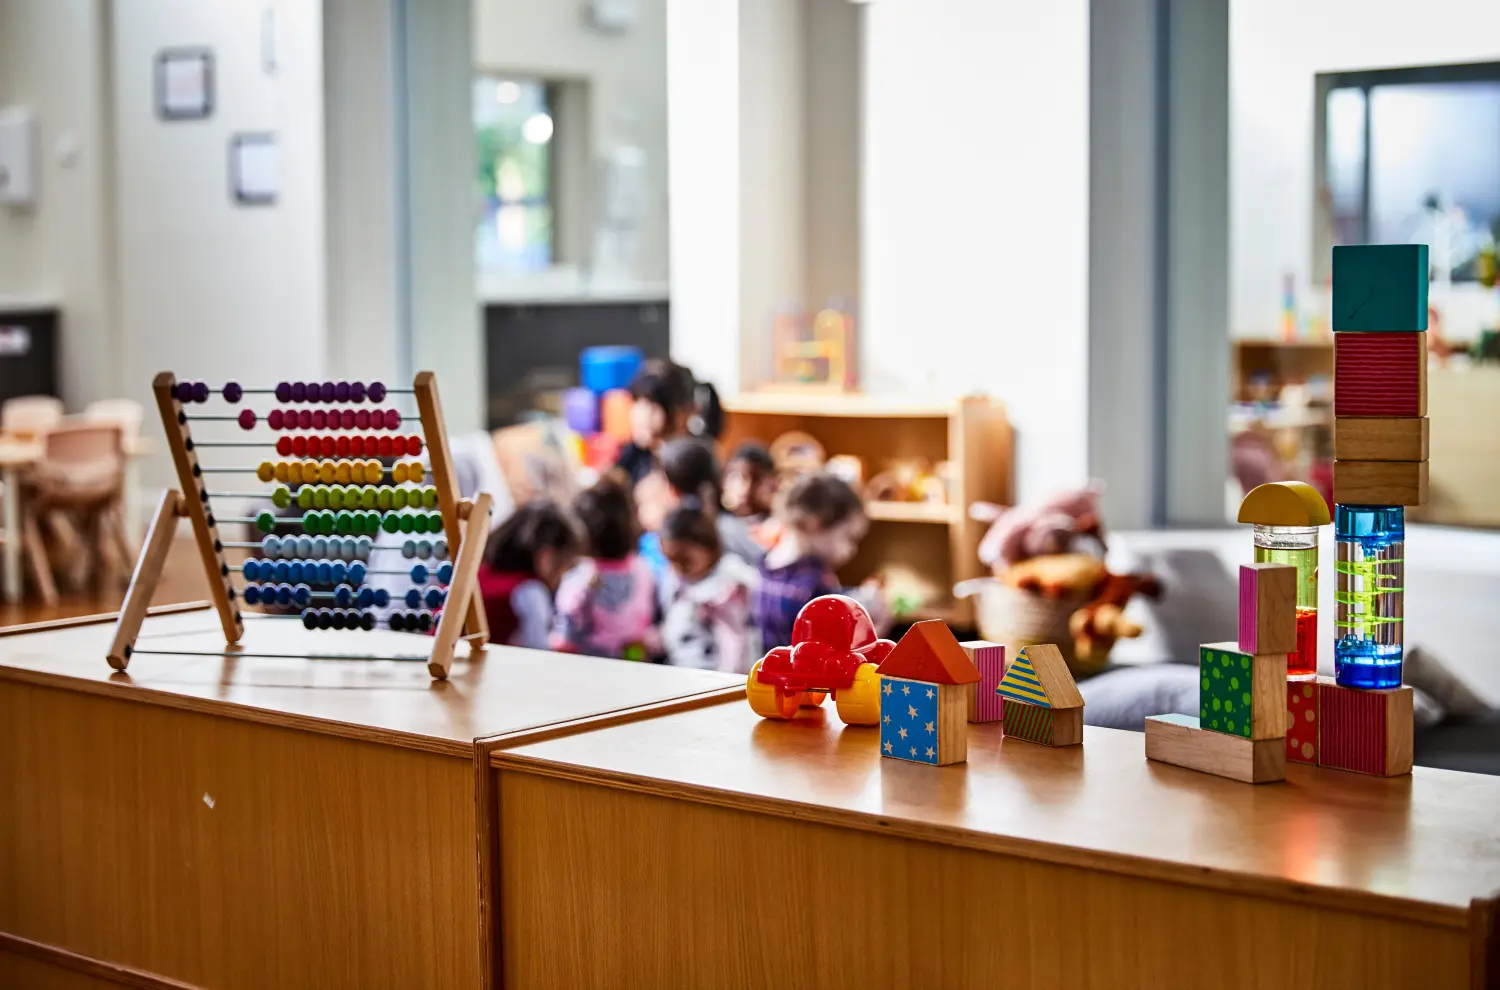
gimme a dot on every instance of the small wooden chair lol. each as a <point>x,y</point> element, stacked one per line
<point>76,488</point>
<point>28,417</point>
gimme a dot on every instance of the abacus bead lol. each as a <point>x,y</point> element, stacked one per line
<point>325,472</point>
<point>275,419</point>
<point>252,595</point>
<point>342,595</point>
<point>341,391</point>
<point>320,419</point>
<point>325,618</point>
<point>336,497</point>
<point>301,594</point>
<point>445,573</point>
<point>298,392</point>
<point>266,471</point>
<point>376,391</point>
<point>299,446</point>
<point>282,571</point>
<point>391,523</point>
<point>367,621</point>
<point>283,594</point>
<point>356,446</point>
<point>200,391</point>
<point>372,522</point>
<point>329,391</point>
<point>382,597</point>
<point>424,620</point>
<point>294,571</point>
<point>414,446</point>
<point>440,549</point>
<point>184,392</point>
<point>407,523</point>
<point>397,621</point>
<point>303,547</point>
<point>384,446</point>
<point>413,598</point>
<point>233,392</point>
<point>392,419</point>
<point>418,574</point>
<point>321,546</point>
<point>281,496</point>
<point>356,391</point>
<point>434,522</point>
<point>362,419</point>
<point>424,550</point>
<point>283,472</point>
<point>400,472</point>
<point>319,496</point>
<point>343,521</point>
<point>374,470</point>
<point>398,499</point>
<point>326,446</point>
<point>265,522</point>
<point>342,473</point>
<point>250,569</point>
<point>304,419</point>
<point>364,544</point>
<point>309,618</point>
<point>338,571</point>
<point>341,446</point>
<point>429,498</point>
<point>351,548</point>
<point>283,391</point>
<point>305,497</point>
<point>434,597</point>
<point>325,571</point>
<point>283,445</point>
<point>417,471</point>
<point>409,549</point>
<point>309,472</point>
<point>367,497</point>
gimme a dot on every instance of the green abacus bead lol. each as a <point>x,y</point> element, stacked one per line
<point>407,523</point>
<point>265,522</point>
<point>429,498</point>
<point>398,498</point>
<point>370,521</point>
<point>383,498</point>
<point>434,522</point>
<point>281,496</point>
<point>367,497</point>
<point>390,523</point>
<point>305,497</point>
<point>343,522</point>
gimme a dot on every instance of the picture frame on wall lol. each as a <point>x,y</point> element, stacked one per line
<point>254,169</point>
<point>184,84</point>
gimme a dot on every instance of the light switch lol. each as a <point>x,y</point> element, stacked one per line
<point>17,156</point>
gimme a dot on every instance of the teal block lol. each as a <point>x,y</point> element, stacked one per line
<point>1380,287</point>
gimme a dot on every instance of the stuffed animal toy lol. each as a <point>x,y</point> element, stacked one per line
<point>1048,527</point>
<point>1100,621</point>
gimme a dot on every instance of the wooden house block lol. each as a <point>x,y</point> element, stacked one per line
<point>924,697</point>
<point>1242,694</point>
<point>1380,482</point>
<point>1380,374</point>
<point>989,659</point>
<point>1365,731</point>
<point>1302,721</point>
<point>1268,608</point>
<point>1041,700</point>
<point>1181,741</point>
<point>1361,438</point>
<point>1380,288</point>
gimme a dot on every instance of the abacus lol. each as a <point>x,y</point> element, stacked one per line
<point>340,481</point>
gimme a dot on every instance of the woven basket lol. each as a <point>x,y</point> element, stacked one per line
<point>1019,618</point>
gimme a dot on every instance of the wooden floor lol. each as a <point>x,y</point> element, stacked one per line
<point>182,580</point>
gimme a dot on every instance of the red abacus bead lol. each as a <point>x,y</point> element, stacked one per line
<point>392,419</point>
<point>247,419</point>
<point>362,419</point>
<point>413,446</point>
<point>347,419</point>
<point>319,419</point>
<point>341,446</point>
<point>383,447</point>
<point>356,446</point>
<point>326,446</point>
<point>299,446</point>
<point>284,446</point>
<point>304,419</point>
<point>273,419</point>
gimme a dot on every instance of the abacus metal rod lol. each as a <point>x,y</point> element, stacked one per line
<point>257,546</point>
<point>403,433</point>
<point>272,391</point>
<point>239,568</point>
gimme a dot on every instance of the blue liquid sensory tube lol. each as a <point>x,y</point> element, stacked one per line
<point>1371,596</point>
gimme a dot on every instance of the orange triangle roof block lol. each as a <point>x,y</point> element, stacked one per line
<point>930,652</point>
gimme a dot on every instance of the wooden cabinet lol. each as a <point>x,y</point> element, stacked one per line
<point>922,549</point>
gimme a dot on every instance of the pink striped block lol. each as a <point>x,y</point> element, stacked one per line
<point>1268,608</point>
<point>984,704</point>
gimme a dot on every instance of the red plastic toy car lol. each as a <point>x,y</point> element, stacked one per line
<point>834,651</point>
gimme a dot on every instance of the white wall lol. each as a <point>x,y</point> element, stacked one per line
<point>975,215</point>
<point>1276,47</point>
<point>627,86</point>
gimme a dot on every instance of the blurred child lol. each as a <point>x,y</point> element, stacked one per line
<point>823,522</point>
<point>689,467</point>
<point>706,598</point>
<point>665,399</point>
<point>750,488</point>
<point>524,561</point>
<point>607,604</point>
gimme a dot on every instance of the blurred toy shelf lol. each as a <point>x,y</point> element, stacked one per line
<point>919,548</point>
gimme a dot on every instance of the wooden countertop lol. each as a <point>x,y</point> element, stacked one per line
<point>1419,847</point>
<point>388,701</point>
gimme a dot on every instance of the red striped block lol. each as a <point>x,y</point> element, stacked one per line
<point>1380,374</point>
<point>984,704</point>
<point>1364,731</point>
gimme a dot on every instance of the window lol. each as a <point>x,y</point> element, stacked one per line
<point>513,177</point>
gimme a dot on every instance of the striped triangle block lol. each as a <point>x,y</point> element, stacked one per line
<point>1021,683</point>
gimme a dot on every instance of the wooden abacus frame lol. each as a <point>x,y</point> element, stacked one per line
<point>463,616</point>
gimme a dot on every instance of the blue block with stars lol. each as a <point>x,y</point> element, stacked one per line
<point>923,722</point>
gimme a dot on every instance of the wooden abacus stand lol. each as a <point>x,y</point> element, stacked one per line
<point>463,617</point>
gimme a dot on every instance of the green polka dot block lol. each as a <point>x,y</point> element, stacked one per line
<point>1241,694</point>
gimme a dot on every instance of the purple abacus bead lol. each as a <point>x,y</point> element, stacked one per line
<point>392,419</point>
<point>356,391</point>
<point>247,419</point>
<point>233,392</point>
<point>329,391</point>
<point>377,391</point>
<point>200,391</point>
<point>299,392</point>
<point>362,419</point>
<point>283,391</point>
<point>320,419</point>
<point>184,392</point>
<point>274,419</point>
<point>347,419</point>
<point>304,419</point>
<point>341,391</point>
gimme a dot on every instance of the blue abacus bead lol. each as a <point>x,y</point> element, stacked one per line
<point>270,545</point>
<point>418,574</point>
<point>309,618</point>
<point>252,594</point>
<point>381,597</point>
<point>424,549</point>
<point>434,597</point>
<point>283,391</point>
<point>364,598</point>
<point>375,392</point>
<point>282,571</point>
<point>363,546</point>
<point>357,571</point>
<point>339,571</point>
<point>424,620</point>
<point>320,546</point>
<point>413,598</point>
<point>301,594</point>
<point>367,620</point>
<point>304,546</point>
<point>445,573</point>
<point>250,569</point>
<point>346,549</point>
<point>325,572</point>
<point>325,618</point>
<point>299,391</point>
<point>283,594</point>
<point>440,549</point>
<point>409,549</point>
<point>294,571</point>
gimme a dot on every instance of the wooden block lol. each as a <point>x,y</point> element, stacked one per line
<point>1380,287</point>
<point>1242,694</point>
<point>1364,731</point>
<point>1380,374</point>
<point>1181,741</point>
<point>1045,726</point>
<point>984,704</point>
<point>1268,608</point>
<point>1380,482</point>
<point>1302,721</point>
<point>923,722</point>
<point>1039,675</point>
<point>1361,438</point>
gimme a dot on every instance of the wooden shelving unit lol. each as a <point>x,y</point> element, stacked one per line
<point>921,548</point>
